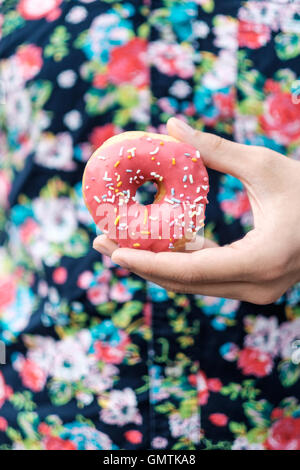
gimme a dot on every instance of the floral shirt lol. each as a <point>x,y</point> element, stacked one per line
<point>97,358</point>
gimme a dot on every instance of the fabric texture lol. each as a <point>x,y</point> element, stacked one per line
<point>97,358</point>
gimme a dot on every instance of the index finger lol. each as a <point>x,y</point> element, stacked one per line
<point>208,265</point>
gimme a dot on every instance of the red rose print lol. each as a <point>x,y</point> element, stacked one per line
<point>253,35</point>
<point>254,362</point>
<point>133,436</point>
<point>28,229</point>
<point>214,385</point>
<point>5,186</point>
<point>56,443</point>
<point>60,275</point>
<point>33,377</point>
<point>98,294</point>
<point>7,292</point>
<point>100,80</point>
<point>238,206</point>
<point>30,58</point>
<point>36,9</point>
<point>218,419</point>
<point>284,434</point>
<point>111,354</point>
<point>225,103</point>
<point>44,429</point>
<point>102,133</point>
<point>277,413</point>
<point>281,118</point>
<point>3,424</point>
<point>128,64</point>
<point>5,390</point>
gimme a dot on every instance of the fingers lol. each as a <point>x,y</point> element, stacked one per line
<point>197,244</point>
<point>205,266</point>
<point>104,245</point>
<point>219,154</point>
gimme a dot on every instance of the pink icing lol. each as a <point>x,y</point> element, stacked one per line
<point>111,180</point>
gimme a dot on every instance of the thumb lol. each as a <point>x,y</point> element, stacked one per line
<point>217,153</point>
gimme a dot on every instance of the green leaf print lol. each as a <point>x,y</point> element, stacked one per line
<point>287,45</point>
<point>258,412</point>
<point>289,373</point>
<point>22,401</point>
<point>166,407</point>
<point>12,21</point>
<point>122,318</point>
<point>58,49</point>
<point>60,393</point>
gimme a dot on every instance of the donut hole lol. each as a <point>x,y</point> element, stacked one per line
<point>146,193</point>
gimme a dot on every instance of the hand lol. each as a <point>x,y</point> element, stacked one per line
<point>260,267</point>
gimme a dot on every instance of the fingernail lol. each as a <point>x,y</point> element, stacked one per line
<point>182,126</point>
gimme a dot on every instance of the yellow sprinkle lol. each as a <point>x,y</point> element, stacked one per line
<point>116,190</point>
<point>119,184</point>
<point>161,143</point>
<point>145,232</point>
<point>117,220</point>
<point>152,158</point>
<point>145,216</point>
<point>129,156</point>
<point>117,164</point>
<point>194,159</point>
<point>173,161</point>
<point>136,245</point>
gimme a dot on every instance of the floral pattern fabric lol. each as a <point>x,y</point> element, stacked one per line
<point>98,358</point>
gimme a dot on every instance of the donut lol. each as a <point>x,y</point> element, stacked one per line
<point>125,162</point>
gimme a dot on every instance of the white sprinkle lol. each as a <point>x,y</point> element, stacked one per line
<point>184,178</point>
<point>101,157</point>
<point>129,171</point>
<point>198,199</point>
<point>186,168</point>
<point>87,187</point>
<point>169,201</point>
<point>105,178</point>
<point>155,151</point>
<point>191,179</point>
<point>132,151</point>
<point>121,151</point>
<point>197,154</point>
<point>97,199</point>
<point>205,188</point>
<point>198,190</point>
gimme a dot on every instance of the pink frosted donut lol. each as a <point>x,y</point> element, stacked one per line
<point>124,163</point>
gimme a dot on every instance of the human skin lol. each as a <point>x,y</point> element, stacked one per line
<point>262,265</point>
